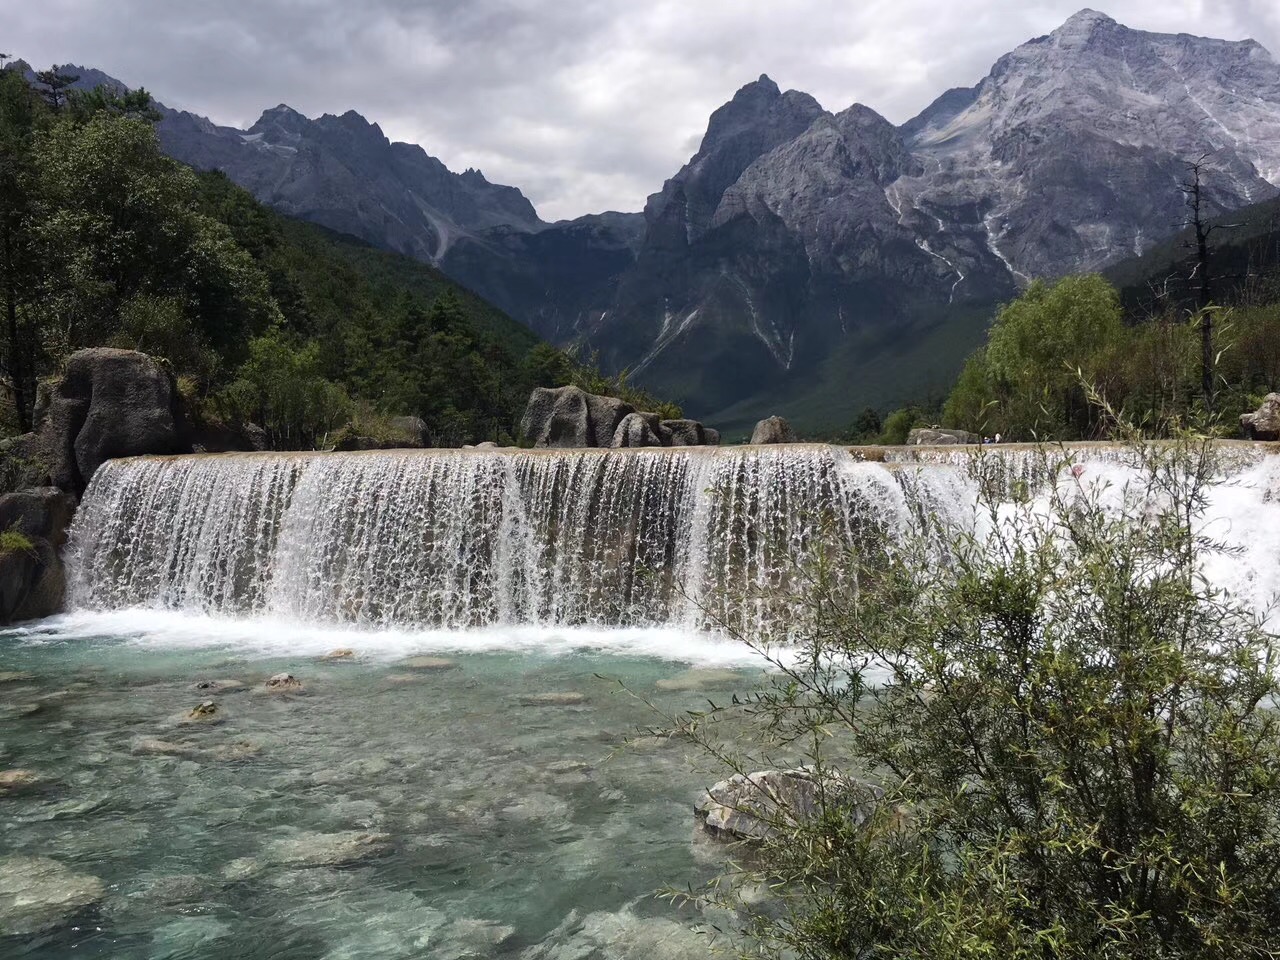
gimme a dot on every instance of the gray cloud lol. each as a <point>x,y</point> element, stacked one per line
<point>586,104</point>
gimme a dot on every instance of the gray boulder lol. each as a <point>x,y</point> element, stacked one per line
<point>38,512</point>
<point>640,430</point>
<point>1263,423</point>
<point>22,462</point>
<point>569,417</point>
<point>711,436</point>
<point>32,580</point>
<point>411,428</point>
<point>688,433</point>
<point>109,403</point>
<point>756,806</point>
<point>933,436</point>
<point>773,430</point>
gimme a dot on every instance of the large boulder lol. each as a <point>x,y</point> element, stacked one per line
<point>1263,423</point>
<point>572,418</point>
<point>689,433</point>
<point>640,430</point>
<point>755,806</point>
<point>38,512</point>
<point>109,403</point>
<point>931,436</point>
<point>711,436</point>
<point>33,526</point>
<point>773,430</point>
<point>22,462</point>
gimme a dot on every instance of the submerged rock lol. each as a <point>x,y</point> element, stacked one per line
<point>12,781</point>
<point>697,679</point>
<point>754,806</point>
<point>328,849</point>
<point>38,895</point>
<point>154,746</point>
<point>342,653</point>
<point>219,686</point>
<point>562,698</point>
<point>619,936</point>
<point>428,664</point>
<point>15,676</point>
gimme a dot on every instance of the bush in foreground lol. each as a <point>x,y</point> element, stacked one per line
<point>1076,737</point>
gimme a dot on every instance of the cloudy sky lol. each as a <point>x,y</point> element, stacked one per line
<point>585,105</point>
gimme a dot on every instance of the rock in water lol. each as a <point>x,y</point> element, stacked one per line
<point>572,418</point>
<point>32,579</point>
<point>11,781</point>
<point>773,430</point>
<point>930,436</point>
<point>283,683</point>
<point>38,895</point>
<point>328,849</point>
<point>755,806</point>
<point>430,664</point>
<point>109,403</point>
<point>1263,423</point>
<point>702,679</point>
<point>638,430</point>
<point>564,698</point>
<point>206,712</point>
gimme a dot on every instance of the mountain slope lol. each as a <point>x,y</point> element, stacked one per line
<point>807,259</point>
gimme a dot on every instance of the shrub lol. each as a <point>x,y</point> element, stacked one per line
<point>1075,736</point>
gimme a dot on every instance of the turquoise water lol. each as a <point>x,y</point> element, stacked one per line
<point>487,810</point>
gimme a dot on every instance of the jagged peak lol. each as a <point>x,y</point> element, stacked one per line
<point>1082,25</point>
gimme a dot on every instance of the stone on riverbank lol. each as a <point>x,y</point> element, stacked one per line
<point>934,436</point>
<point>109,403</point>
<point>1263,423</point>
<point>569,417</point>
<point>773,430</point>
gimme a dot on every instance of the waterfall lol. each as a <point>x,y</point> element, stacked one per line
<point>693,538</point>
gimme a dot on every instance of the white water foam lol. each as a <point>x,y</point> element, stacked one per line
<point>267,638</point>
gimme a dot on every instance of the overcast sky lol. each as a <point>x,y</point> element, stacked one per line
<point>585,105</point>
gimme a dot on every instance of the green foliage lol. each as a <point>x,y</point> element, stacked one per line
<point>105,240</point>
<point>866,427</point>
<point>900,423</point>
<point>281,389</point>
<point>14,541</point>
<point>1075,737</point>
<point>1025,383</point>
<point>587,375</point>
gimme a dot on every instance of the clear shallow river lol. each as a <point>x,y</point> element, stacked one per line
<point>481,811</point>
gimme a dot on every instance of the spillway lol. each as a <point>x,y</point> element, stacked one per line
<point>691,538</point>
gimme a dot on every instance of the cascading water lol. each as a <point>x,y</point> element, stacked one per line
<point>690,538</point>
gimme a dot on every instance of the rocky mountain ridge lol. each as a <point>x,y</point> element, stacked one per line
<point>807,261</point>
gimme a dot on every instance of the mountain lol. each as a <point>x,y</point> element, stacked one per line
<point>803,261</point>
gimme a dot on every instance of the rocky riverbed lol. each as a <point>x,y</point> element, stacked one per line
<point>167,802</point>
